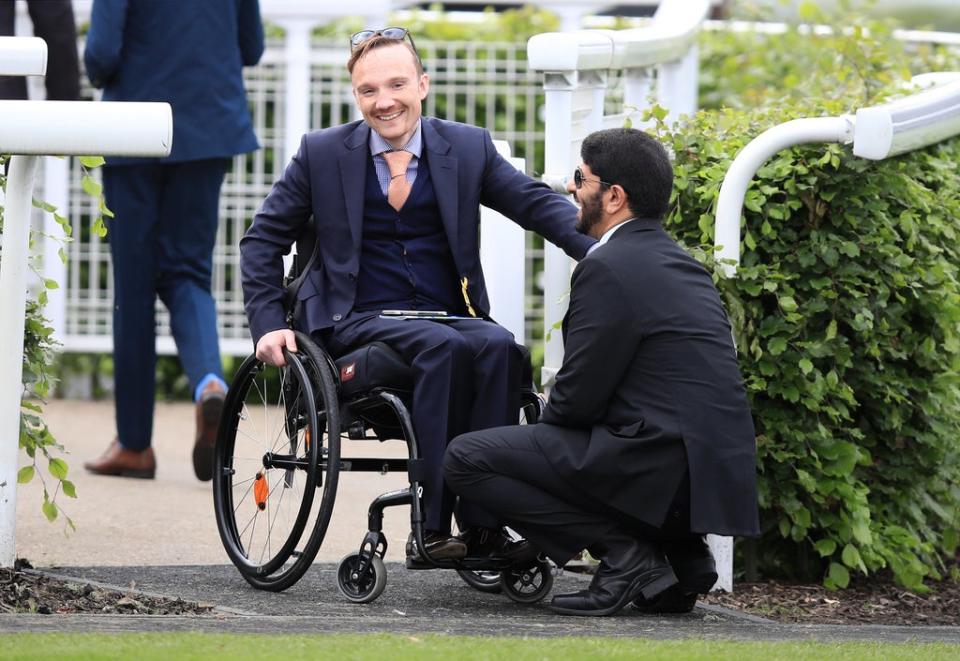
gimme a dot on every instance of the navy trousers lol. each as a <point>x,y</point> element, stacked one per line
<point>466,376</point>
<point>161,243</point>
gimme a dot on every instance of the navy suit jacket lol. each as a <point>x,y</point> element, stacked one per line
<point>187,53</point>
<point>326,180</point>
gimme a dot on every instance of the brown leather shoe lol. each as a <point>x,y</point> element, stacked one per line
<point>119,461</point>
<point>440,546</point>
<point>209,408</point>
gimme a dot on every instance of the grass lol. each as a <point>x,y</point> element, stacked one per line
<point>383,646</point>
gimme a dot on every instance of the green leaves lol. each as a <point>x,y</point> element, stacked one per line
<point>35,438</point>
<point>845,306</point>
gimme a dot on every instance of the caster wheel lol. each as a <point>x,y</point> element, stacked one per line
<point>484,581</point>
<point>528,585</point>
<point>361,588</point>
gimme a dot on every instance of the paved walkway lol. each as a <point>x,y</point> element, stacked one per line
<point>170,520</point>
<point>159,536</point>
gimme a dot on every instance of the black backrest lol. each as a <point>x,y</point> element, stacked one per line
<point>303,261</point>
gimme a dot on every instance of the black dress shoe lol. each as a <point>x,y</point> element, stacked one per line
<point>628,569</point>
<point>496,544</point>
<point>440,546</point>
<point>696,574</point>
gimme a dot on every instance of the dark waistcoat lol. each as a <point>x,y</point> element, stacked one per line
<point>405,259</point>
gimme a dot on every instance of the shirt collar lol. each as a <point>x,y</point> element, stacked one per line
<point>610,232</point>
<point>415,145</point>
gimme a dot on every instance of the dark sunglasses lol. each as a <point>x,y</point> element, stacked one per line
<point>399,34</point>
<point>579,179</point>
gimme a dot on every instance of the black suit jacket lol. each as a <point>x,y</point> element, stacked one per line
<point>326,179</point>
<point>650,385</point>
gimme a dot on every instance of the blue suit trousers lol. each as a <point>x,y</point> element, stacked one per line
<point>466,376</point>
<point>161,243</point>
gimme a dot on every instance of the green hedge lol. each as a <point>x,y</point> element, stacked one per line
<point>846,309</point>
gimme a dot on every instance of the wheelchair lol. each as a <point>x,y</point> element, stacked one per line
<point>277,464</point>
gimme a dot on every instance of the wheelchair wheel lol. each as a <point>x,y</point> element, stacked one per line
<point>484,581</point>
<point>361,587</point>
<point>529,585</point>
<point>277,461</point>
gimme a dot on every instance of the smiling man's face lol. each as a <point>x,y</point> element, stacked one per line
<point>389,92</point>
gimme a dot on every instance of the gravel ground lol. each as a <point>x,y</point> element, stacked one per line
<point>879,602</point>
<point>876,603</point>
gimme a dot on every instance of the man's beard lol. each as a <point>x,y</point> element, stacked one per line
<point>591,213</point>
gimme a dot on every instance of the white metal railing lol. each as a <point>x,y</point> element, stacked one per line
<point>659,60</point>
<point>30,128</point>
<point>877,132</point>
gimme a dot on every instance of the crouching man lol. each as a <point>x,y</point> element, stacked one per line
<point>647,442</point>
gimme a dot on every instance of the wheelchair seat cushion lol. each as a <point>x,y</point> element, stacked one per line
<point>373,365</point>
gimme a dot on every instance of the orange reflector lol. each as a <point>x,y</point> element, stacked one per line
<point>260,491</point>
<point>307,435</point>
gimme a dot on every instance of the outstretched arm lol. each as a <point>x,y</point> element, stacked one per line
<point>530,203</point>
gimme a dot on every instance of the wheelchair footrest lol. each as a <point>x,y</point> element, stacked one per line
<point>472,564</point>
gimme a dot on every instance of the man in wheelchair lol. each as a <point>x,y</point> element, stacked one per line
<point>392,204</point>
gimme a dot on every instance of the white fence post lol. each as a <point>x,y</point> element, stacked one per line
<point>13,301</point>
<point>30,129</point>
<point>502,251</point>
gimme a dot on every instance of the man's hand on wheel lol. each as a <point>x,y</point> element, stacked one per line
<point>270,347</point>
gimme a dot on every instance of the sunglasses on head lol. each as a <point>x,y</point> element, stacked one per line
<point>399,34</point>
<point>579,179</point>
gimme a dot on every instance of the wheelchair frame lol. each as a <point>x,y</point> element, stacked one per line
<point>314,419</point>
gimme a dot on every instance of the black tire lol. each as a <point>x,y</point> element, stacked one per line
<point>529,585</point>
<point>361,588</point>
<point>270,520</point>
<point>483,581</point>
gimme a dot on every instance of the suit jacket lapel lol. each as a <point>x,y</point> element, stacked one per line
<point>353,179</point>
<point>443,171</point>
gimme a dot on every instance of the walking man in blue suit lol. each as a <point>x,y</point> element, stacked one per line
<point>191,55</point>
<point>395,203</point>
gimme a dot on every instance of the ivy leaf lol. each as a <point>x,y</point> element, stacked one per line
<point>839,575</point>
<point>91,186</point>
<point>832,329</point>
<point>58,468</point>
<point>777,345</point>
<point>92,161</point>
<point>851,556</point>
<point>49,508</point>
<point>25,474</point>
<point>825,547</point>
<point>861,532</point>
<point>69,489</point>
<point>787,303</point>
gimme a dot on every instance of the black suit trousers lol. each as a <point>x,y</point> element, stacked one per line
<point>505,471</point>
